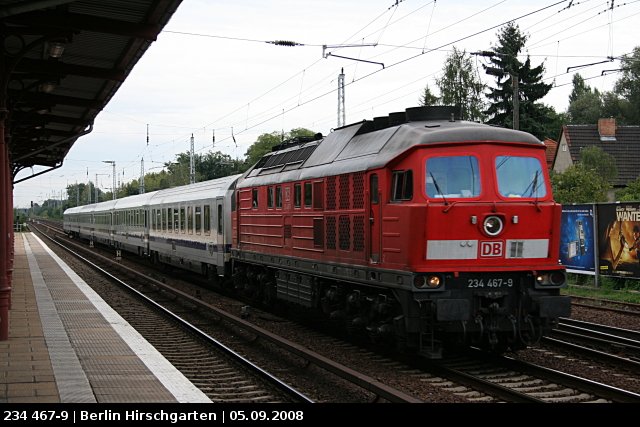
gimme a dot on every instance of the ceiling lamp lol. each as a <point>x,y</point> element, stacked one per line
<point>56,49</point>
<point>48,87</point>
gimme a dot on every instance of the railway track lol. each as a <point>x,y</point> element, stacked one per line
<point>516,381</point>
<point>228,376</point>
<point>479,380</point>
<point>380,390</point>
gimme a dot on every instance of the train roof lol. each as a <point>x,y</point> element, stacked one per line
<point>130,202</point>
<point>198,191</point>
<point>373,144</point>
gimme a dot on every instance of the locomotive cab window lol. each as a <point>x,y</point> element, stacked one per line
<point>520,177</point>
<point>402,185</point>
<point>452,177</point>
<point>373,185</point>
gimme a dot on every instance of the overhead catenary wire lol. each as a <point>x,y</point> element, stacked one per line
<point>251,122</point>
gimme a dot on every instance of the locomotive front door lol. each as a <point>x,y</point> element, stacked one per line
<point>375,227</point>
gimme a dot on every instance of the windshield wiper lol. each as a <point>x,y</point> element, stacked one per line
<point>435,183</point>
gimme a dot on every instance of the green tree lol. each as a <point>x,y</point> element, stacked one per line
<point>628,86</point>
<point>578,184</point>
<point>460,85</point>
<point>631,193</point>
<point>604,164</point>
<point>585,104</point>
<point>507,68</point>
<point>428,98</point>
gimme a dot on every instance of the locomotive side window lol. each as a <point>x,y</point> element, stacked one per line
<point>254,198</point>
<point>270,197</point>
<point>520,177</point>
<point>308,195</point>
<point>453,177</point>
<point>278,196</point>
<point>297,195</point>
<point>402,185</point>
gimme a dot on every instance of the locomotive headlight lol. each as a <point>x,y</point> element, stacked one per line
<point>427,282</point>
<point>551,278</point>
<point>492,225</point>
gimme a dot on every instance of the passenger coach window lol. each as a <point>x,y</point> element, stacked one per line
<point>207,219</point>
<point>520,177</point>
<point>169,219</point>
<point>219,219</point>
<point>402,185</point>
<point>452,177</point>
<point>190,219</point>
<point>198,219</point>
<point>183,219</point>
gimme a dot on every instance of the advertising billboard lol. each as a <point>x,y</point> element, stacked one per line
<point>619,239</point>
<point>577,242</point>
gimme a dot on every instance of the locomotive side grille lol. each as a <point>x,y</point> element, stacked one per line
<point>344,232</point>
<point>318,232</point>
<point>331,193</point>
<point>358,190</point>
<point>344,191</point>
<point>331,232</point>
<point>358,233</point>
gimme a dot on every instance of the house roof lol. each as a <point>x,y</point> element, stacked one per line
<point>552,147</point>
<point>625,148</point>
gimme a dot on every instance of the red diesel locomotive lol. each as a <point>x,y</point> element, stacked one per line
<point>416,228</point>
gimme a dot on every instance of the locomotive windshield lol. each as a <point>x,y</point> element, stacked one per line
<point>520,177</point>
<point>453,177</point>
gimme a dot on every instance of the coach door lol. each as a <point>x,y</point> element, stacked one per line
<point>220,227</point>
<point>375,228</point>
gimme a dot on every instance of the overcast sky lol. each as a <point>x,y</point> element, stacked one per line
<point>212,71</point>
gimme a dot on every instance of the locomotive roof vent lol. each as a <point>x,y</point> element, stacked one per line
<point>396,119</point>
<point>380,122</point>
<point>298,140</point>
<point>414,114</point>
<point>434,112</point>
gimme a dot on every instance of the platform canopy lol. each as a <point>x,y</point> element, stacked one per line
<point>61,63</point>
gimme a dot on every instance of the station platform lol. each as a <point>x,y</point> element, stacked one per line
<point>66,345</point>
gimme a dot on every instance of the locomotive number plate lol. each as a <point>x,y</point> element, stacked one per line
<point>489,283</point>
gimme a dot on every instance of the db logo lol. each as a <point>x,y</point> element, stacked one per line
<point>491,249</point>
